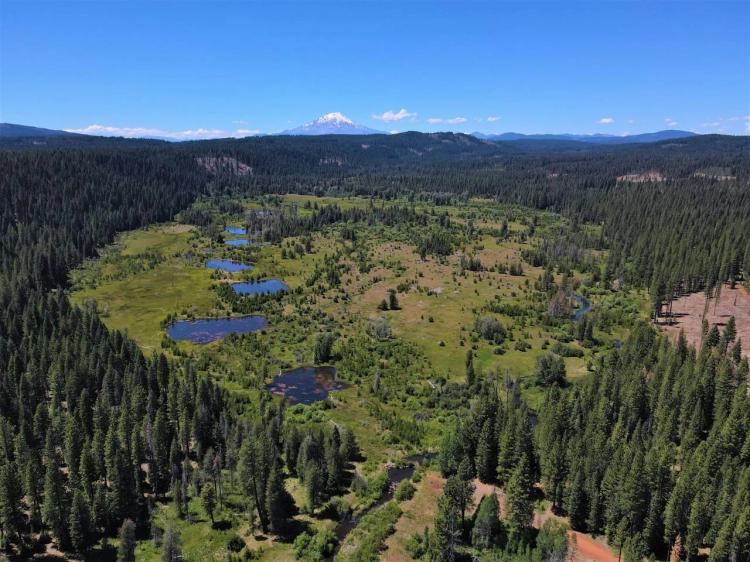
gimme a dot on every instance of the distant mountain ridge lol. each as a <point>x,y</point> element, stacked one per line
<point>332,124</point>
<point>12,130</point>
<point>338,124</point>
<point>657,136</point>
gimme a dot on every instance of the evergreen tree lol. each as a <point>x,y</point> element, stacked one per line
<point>11,506</point>
<point>518,502</point>
<point>126,548</point>
<point>486,457</point>
<point>171,550</point>
<point>208,499</point>
<point>469,363</point>
<point>279,503</point>
<point>460,493</point>
<point>488,530</point>
<point>447,532</point>
<point>393,300</point>
<point>80,527</point>
<point>55,507</point>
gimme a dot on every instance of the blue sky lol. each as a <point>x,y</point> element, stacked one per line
<point>201,69</point>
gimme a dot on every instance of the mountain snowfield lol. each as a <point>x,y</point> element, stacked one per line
<point>332,124</point>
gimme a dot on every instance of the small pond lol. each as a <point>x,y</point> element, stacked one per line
<point>583,307</point>
<point>228,265</point>
<point>305,385</point>
<point>235,230</point>
<point>267,286</point>
<point>237,242</point>
<point>207,330</point>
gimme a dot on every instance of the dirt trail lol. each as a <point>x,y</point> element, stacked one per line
<point>588,549</point>
<point>688,312</point>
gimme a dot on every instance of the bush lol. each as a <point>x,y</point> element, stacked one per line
<point>311,548</point>
<point>490,329</point>
<point>235,544</point>
<point>372,531</point>
<point>522,345</point>
<point>379,329</point>
<point>550,369</point>
<point>323,347</point>
<point>566,350</point>
<point>405,491</point>
<point>417,545</point>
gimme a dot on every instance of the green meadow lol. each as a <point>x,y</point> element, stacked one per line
<point>340,276</point>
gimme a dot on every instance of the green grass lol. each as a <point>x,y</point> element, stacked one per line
<point>139,303</point>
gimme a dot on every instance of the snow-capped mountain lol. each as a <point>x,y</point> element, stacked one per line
<point>332,124</point>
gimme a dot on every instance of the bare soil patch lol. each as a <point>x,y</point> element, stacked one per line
<point>178,228</point>
<point>652,176</point>
<point>224,165</point>
<point>588,549</point>
<point>688,314</point>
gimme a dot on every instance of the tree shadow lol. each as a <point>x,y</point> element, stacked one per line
<point>222,525</point>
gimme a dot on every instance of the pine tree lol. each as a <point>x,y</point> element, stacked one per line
<point>518,502</point>
<point>55,505</point>
<point>208,499</point>
<point>469,363</point>
<point>393,300</point>
<point>461,495</point>
<point>575,500</point>
<point>313,479</point>
<point>11,495</point>
<point>252,480</point>
<point>162,440</point>
<point>279,504</point>
<point>126,548</point>
<point>171,550</point>
<point>488,530</point>
<point>451,453</point>
<point>486,456</point>
<point>447,532</point>
<point>713,337</point>
<point>80,528</point>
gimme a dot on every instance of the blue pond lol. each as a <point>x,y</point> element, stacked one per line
<point>212,329</point>
<point>227,265</point>
<point>235,230</point>
<point>267,286</point>
<point>583,307</point>
<point>305,385</point>
<point>238,242</point>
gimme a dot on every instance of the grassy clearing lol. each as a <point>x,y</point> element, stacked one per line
<point>418,513</point>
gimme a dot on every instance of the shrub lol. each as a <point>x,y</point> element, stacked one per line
<point>311,548</point>
<point>235,544</point>
<point>372,531</point>
<point>417,544</point>
<point>522,345</point>
<point>405,491</point>
<point>490,329</point>
<point>379,329</point>
<point>566,350</point>
<point>324,347</point>
<point>550,370</point>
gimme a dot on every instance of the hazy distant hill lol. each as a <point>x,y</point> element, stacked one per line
<point>594,139</point>
<point>11,130</point>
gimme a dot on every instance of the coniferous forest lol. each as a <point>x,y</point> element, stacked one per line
<point>647,446</point>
